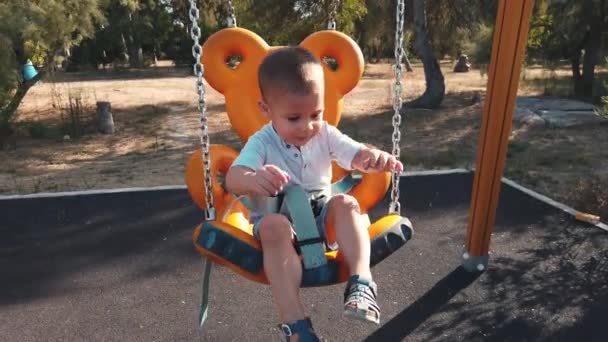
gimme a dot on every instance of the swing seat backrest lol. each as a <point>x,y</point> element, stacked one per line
<point>240,84</point>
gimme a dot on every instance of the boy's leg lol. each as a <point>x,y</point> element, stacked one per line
<point>351,233</point>
<point>353,239</point>
<point>283,268</point>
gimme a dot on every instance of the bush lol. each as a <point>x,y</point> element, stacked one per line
<point>8,84</point>
<point>75,108</point>
<point>40,130</point>
<point>481,47</point>
<point>591,195</point>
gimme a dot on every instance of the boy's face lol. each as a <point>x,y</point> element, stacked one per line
<point>297,118</point>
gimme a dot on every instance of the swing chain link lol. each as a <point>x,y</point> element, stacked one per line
<point>333,12</point>
<point>395,206</point>
<point>231,19</point>
<point>197,52</point>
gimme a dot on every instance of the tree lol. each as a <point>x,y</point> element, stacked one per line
<point>376,30</point>
<point>135,33</point>
<point>452,24</point>
<point>571,29</point>
<point>435,84</point>
<point>299,18</point>
<point>38,30</point>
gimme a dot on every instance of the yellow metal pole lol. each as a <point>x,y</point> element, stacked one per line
<point>510,37</point>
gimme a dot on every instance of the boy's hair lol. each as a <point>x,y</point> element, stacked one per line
<point>282,69</point>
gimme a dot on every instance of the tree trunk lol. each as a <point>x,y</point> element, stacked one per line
<point>576,73</point>
<point>125,52</point>
<point>135,51</point>
<point>408,65</point>
<point>136,58</point>
<point>11,109</point>
<point>592,45</point>
<point>435,84</point>
<point>592,57</point>
<point>22,90</point>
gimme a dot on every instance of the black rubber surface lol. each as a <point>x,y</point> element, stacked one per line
<point>121,267</point>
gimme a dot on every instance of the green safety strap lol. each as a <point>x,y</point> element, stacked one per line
<point>310,242</point>
<point>345,184</point>
<point>204,308</point>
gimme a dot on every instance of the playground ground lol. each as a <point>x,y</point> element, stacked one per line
<point>121,267</point>
<point>156,120</point>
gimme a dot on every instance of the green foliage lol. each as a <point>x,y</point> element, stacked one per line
<point>38,30</point>
<point>8,76</point>
<point>481,48</point>
<point>299,18</point>
<point>451,25</point>
<point>376,30</point>
<point>559,27</point>
<point>349,13</point>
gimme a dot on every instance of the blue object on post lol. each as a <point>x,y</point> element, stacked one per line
<point>29,71</point>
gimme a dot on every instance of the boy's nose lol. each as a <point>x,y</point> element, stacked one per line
<point>310,126</point>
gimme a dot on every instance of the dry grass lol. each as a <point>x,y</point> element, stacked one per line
<point>156,121</point>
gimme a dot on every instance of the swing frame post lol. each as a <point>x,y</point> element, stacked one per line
<point>510,37</point>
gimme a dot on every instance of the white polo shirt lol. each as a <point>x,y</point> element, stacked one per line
<point>309,166</point>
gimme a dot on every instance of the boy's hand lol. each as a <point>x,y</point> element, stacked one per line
<point>374,160</point>
<point>268,181</point>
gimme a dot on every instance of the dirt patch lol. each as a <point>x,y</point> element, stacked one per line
<point>157,129</point>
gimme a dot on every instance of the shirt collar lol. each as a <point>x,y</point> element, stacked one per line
<point>278,138</point>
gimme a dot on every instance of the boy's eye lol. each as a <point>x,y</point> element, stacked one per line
<point>315,116</point>
<point>293,118</point>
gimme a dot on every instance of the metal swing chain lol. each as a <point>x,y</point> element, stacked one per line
<point>333,12</point>
<point>395,206</point>
<point>231,19</point>
<point>197,52</point>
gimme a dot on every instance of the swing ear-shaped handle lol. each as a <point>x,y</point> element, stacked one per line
<point>226,43</point>
<point>221,159</point>
<point>240,84</point>
<point>345,51</point>
<point>350,64</point>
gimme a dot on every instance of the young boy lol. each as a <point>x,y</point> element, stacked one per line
<point>297,147</point>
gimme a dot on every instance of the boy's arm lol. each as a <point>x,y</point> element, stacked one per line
<point>239,180</point>
<point>249,174</point>
<point>351,154</point>
<point>342,148</point>
<point>375,160</point>
<point>251,158</point>
<point>267,181</point>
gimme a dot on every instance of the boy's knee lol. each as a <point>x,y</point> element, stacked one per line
<point>275,228</point>
<point>344,202</point>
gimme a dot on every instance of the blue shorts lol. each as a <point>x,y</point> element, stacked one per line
<point>319,219</point>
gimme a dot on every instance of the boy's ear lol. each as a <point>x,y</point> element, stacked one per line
<point>264,107</point>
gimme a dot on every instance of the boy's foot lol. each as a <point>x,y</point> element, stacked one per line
<point>302,328</point>
<point>360,300</point>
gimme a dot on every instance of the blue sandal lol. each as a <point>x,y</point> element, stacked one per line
<point>360,300</point>
<point>303,328</point>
